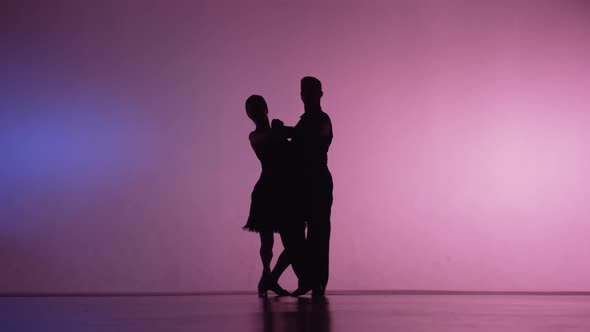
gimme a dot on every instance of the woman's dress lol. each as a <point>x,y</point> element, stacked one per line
<point>271,202</point>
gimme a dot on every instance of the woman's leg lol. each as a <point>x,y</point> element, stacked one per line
<point>299,256</point>
<point>269,280</point>
<point>266,244</point>
<point>282,264</point>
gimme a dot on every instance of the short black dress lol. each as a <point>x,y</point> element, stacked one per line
<point>272,206</point>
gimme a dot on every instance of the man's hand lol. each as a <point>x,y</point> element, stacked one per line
<point>277,124</point>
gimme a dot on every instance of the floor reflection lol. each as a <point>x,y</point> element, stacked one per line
<point>246,312</point>
<point>306,314</point>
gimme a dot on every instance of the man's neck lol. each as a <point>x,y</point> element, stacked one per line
<point>312,108</point>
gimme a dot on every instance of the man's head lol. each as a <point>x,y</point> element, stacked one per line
<point>256,109</point>
<point>311,91</point>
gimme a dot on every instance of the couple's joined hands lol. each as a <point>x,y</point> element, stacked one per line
<point>277,124</point>
<point>284,131</point>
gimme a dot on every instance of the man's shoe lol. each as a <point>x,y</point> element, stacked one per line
<point>318,292</point>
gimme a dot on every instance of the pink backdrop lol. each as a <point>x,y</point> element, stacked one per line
<point>461,153</point>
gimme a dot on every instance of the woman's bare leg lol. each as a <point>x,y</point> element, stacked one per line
<point>282,264</point>
<point>266,244</point>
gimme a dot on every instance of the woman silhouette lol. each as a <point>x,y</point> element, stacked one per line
<point>269,199</point>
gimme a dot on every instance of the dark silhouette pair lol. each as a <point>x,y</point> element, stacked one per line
<point>294,192</point>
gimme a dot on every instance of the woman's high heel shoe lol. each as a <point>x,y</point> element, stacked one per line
<point>277,289</point>
<point>262,289</point>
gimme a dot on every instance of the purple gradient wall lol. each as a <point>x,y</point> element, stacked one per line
<point>461,155</point>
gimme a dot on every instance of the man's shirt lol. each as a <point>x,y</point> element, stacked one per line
<point>311,140</point>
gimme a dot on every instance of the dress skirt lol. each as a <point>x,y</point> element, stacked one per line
<point>269,206</point>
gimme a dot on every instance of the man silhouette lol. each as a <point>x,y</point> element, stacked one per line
<point>311,139</point>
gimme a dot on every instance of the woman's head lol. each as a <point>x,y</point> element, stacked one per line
<point>256,109</point>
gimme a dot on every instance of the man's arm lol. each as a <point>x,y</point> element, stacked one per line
<point>318,140</point>
<point>325,133</point>
<point>285,130</point>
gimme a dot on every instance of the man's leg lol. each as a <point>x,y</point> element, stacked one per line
<point>324,254</point>
<point>322,230</point>
<point>311,254</point>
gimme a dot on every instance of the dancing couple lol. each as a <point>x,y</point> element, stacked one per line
<point>294,192</point>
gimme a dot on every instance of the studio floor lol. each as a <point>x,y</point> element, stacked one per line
<point>337,312</point>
